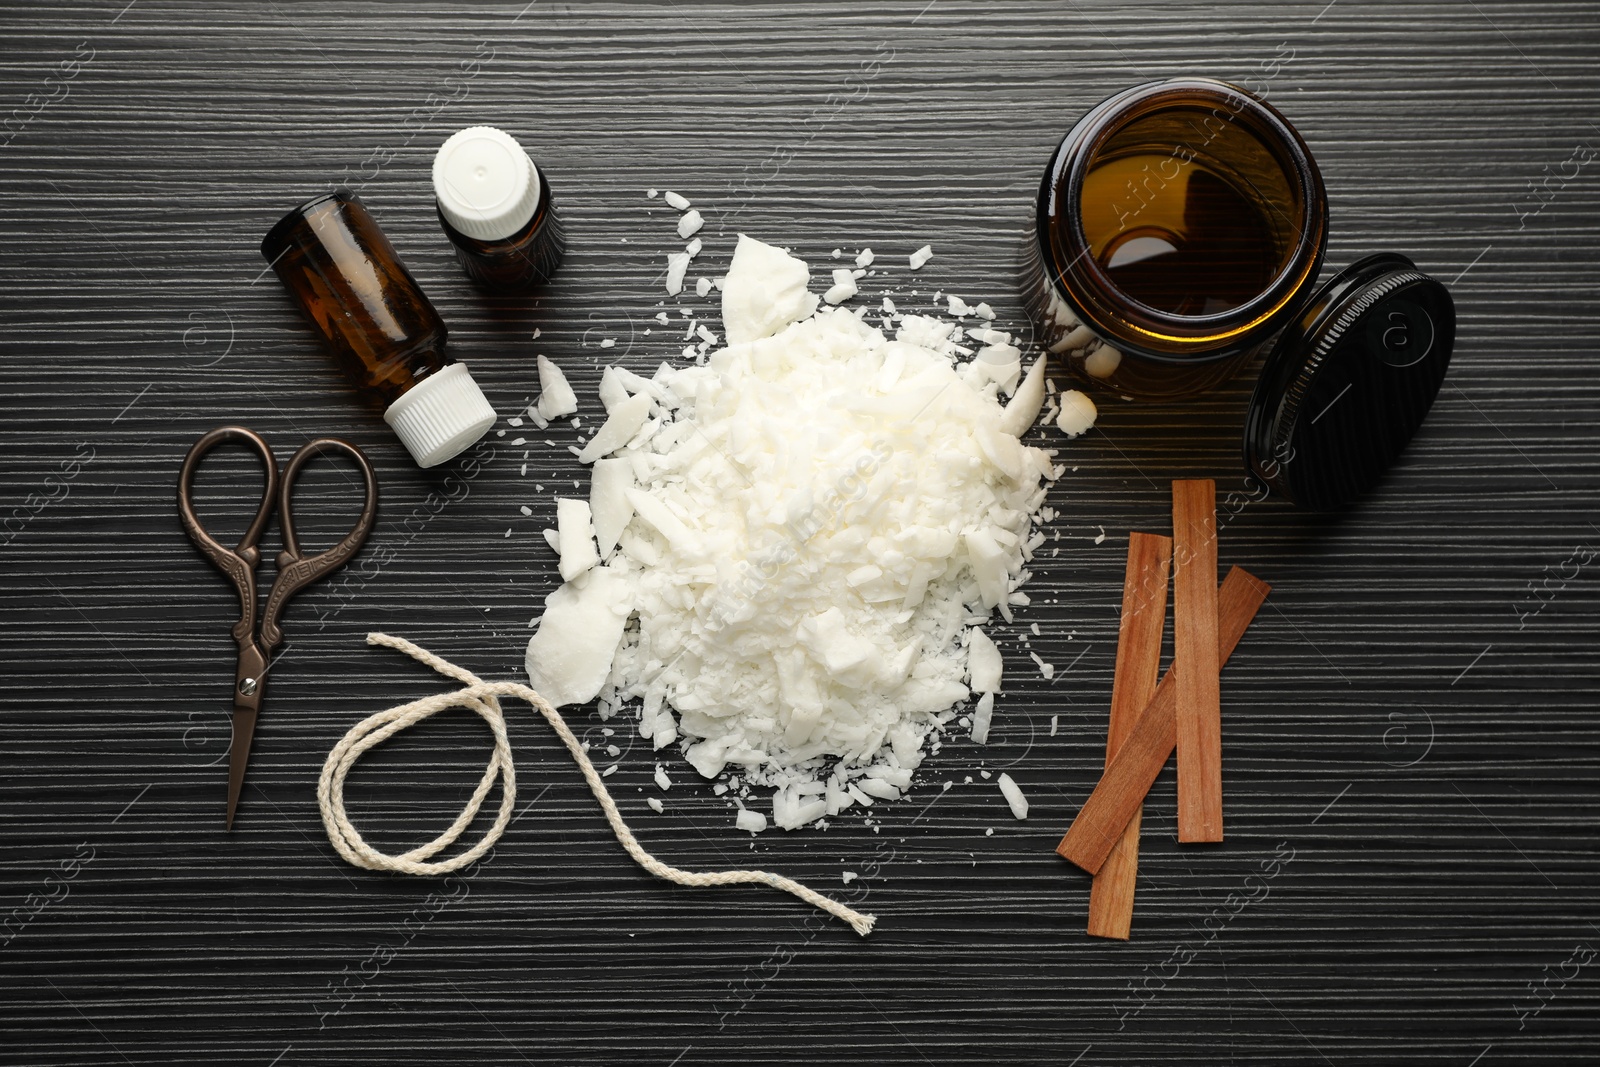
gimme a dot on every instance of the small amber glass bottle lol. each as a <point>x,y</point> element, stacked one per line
<point>1180,225</point>
<point>495,206</point>
<point>378,325</point>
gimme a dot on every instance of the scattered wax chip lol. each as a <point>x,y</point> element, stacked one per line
<point>843,288</point>
<point>1014,797</point>
<point>689,224</point>
<point>677,267</point>
<point>1077,414</point>
<point>675,201</point>
<point>1103,361</point>
<point>920,256</point>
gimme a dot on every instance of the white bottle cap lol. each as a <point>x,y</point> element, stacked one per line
<point>486,185</point>
<point>441,416</point>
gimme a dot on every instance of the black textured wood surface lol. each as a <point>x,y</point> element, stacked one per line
<point>1411,766</point>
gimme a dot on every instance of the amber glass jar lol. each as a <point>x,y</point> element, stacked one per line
<point>1179,227</point>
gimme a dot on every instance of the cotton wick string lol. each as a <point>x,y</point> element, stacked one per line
<point>482,698</point>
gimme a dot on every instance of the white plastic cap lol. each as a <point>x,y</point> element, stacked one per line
<point>441,416</point>
<point>486,185</point>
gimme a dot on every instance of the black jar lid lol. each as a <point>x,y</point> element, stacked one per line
<point>1349,382</point>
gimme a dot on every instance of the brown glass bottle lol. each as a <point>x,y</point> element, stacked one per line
<point>495,206</point>
<point>1179,226</point>
<point>378,325</point>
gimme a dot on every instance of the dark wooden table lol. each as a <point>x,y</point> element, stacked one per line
<point>1410,873</point>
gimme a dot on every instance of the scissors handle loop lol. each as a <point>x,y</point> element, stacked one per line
<point>295,572</point>
<point>239,562</point>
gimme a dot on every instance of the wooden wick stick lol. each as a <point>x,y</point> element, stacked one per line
<point>1194,644</point>
<point>1122,788</point>
<point>1144,616</point>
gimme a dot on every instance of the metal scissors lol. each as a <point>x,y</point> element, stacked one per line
<point>295,572</point>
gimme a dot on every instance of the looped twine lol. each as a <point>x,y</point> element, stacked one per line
<point>483,698</point>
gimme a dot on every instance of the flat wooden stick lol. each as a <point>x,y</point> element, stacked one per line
<point>1122,788</point>
<point>1144,617</point>
<point>1194,644</point>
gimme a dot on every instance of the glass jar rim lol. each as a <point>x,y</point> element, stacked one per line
<point>1107,309</point>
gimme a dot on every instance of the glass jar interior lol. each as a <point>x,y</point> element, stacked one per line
<point>1189,215</point>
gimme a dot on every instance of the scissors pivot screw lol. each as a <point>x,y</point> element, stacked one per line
<point>247,686</point>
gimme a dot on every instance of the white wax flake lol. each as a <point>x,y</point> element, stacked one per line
<point>1025,405</point>
<point>888,306</point>
<point>1077,414</point>
<point>569,657</point>
<point>625,420</point>
<point>702,286</point>
<point>920,257</point>
<point>864,258</point>
<point>1045,669</point>
<point>982,718</point>
<point>575,538</point>
<point>848,876</point>
<point>514,421</point>
<point>508,531</point>
<point>689,224</point>
<point>677,267</point>
<point>764,291</point>
<point>837,252</point>
<point>843,288</point>
<point>958,307</point>
<point>608,501</point>
<point>608,342</point>
<point>1100,538</point>
<point>556,397</point>
<point>750,820</point>
<point>692,249</point>
<point>675,201</point>
<point>987,833</point>
<point>1034,628</point>
<point>525,509</point>
<point>662,781</point>
<point>661,317</point>
<point>984,311</point>
<point>655,804</point>
<point>984,663</point>
<point>1014,797</point>
<point>1055,722</point>
<point>1103,361</point>
<point>609,771</point>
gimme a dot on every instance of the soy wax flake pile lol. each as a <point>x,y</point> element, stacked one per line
<point>791,546</point>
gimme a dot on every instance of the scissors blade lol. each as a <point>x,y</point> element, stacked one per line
<point>244,728</point>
